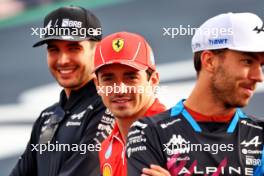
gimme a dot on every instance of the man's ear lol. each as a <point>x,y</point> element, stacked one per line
<point>96,82</point>
<point>154,79</point>
<point>208,61</point>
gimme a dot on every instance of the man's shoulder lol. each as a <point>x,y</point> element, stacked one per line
<point>259,121</point>
<point>50,108</point>
<point>47,111</point>
<point>161,120</point>
<point>256,119</point>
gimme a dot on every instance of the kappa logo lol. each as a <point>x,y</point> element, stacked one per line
<point>254,141</point>
<point>118,44</point>
<point>258,30</point>
<point>177,144</point>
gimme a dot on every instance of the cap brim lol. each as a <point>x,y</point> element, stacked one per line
<point>129,63</point>
<point>64,38</point>
<point>248,49</point>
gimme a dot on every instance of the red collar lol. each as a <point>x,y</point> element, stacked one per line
<point>203,118</point>
<point>154,109</point>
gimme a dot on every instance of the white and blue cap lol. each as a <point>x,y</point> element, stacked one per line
<point>237,31</point>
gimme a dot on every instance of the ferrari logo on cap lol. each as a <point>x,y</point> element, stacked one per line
<point>118,44</point>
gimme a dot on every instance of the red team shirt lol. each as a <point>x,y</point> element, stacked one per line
<point>112,154</point>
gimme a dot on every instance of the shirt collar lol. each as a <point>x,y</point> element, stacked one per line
<point>155,108</point>
<point>88,90</point>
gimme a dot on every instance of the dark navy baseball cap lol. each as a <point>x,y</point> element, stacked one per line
<point>70,23</point>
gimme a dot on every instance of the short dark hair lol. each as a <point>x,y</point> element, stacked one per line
<point>197,58</point>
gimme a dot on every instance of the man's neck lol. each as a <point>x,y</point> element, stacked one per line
<point>204,103</point>
<point>69,90</point>
<point>124,123</point>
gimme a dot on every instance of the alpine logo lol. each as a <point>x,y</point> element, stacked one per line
<point>259,29</point>
<point>255,141</point>
<point>49,25</point>
<point>78,116</point>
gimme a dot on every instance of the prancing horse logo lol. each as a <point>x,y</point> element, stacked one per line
<point>118,44</point>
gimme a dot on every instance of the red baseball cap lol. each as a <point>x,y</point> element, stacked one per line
<point>124,48</point>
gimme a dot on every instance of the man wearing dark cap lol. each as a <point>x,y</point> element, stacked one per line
<point>66,137</point>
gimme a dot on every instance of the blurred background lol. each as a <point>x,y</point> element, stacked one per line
<point>27,87</point>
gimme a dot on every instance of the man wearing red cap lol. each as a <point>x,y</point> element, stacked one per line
<point>126,79</point>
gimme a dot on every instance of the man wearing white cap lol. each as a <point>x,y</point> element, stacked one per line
<point>208,134</point>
